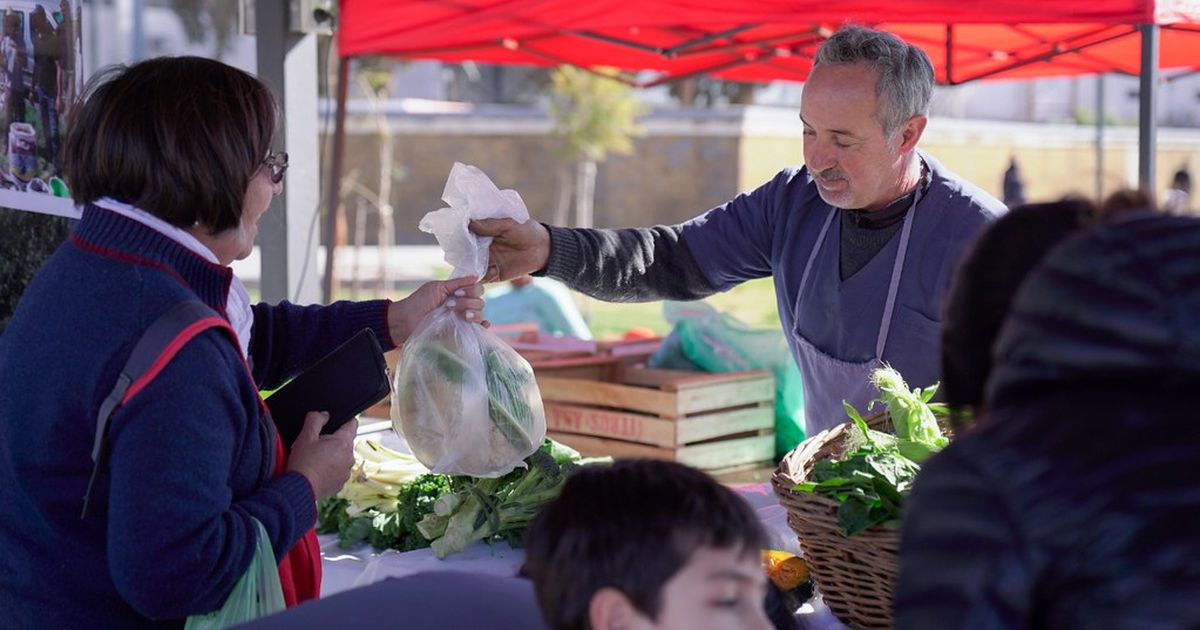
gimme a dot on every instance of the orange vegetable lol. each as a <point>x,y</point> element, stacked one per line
<point>786,570</point>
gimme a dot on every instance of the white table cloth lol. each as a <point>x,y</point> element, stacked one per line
<point>352,568</point>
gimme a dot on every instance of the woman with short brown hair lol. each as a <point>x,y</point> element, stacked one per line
<point>171,161</point>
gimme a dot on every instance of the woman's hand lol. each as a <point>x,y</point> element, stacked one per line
<point>324,460</point>
<point>463,295</point>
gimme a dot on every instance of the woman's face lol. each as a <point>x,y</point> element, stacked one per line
<point>237,243</point>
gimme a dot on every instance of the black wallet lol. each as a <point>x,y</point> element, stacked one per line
<point>344,382</point>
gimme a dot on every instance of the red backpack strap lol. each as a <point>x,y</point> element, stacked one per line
<point>153,351</point>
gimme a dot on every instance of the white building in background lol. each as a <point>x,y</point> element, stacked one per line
<point>1071,99</point>
<point>1063,100</point>
<point>109,27</point>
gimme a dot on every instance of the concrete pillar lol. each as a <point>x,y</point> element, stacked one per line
<point>288,233</point>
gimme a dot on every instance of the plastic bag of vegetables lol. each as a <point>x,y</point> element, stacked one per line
<point>465,401</point>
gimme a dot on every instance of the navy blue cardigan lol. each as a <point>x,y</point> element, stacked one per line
<point>192,453</point>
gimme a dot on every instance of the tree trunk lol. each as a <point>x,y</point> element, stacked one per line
<point>685,90</point>
<point>360,236</point>
<point>744,94</point>
<point>585,196</point>
<point>562,211</point>
<point>340,241</point>
<point>387,229</point>
<point>585,192</point>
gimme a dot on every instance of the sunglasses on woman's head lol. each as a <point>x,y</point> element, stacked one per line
<point>278,163</point>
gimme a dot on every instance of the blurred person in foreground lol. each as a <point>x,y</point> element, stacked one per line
<point>861,242</point>
<point>1126,202</point>
<point>171,162</point>
<point>647,544</point>
<point>984,287</point>
<point>1073,502</point>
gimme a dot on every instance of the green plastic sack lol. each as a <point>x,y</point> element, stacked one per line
<point>718,342</point>
<point>255,595</point>
<point>670,356</point>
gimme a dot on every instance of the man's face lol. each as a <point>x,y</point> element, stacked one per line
<point>847,154</point>
<point>717,589</point>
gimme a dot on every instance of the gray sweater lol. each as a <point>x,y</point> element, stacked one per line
<point>626,265</point>
<point>648,264</point>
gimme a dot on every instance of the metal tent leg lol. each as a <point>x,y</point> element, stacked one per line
<point>1147,119</point>
<point>333,201</point>
<point>1100,138</point>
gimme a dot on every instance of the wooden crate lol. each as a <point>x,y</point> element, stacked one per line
<point>710,421</point>
<point>601,362</point>
<point>557,356</point>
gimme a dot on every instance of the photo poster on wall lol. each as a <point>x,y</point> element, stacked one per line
<point>41,62</point>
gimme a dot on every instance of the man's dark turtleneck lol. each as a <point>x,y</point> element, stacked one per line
<point>865,232</point>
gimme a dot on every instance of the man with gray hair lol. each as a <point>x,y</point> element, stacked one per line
<point>861,242</point>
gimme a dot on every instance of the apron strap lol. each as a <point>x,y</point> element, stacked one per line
<point>815,250</point>
<point>897,267</point>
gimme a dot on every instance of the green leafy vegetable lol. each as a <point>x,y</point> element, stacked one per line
<point>506,381</point>
<point>447,363</point>
<point>873,478</point>
<point>916,425</point>
<point>506,399</point>
<point>446,513</point>
<point>384,526</point>
<point>388,492</point>
<point>500,509</point>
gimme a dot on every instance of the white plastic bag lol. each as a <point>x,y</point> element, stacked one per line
<point>467,403</point>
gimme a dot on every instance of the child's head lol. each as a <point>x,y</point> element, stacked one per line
<point>647,544</point>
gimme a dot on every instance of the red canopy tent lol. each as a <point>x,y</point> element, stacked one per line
<point>765,40</point>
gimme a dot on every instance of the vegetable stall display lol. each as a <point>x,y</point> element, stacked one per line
<point>872,478</point>
<point>844,491</point>
<point>393,502</point>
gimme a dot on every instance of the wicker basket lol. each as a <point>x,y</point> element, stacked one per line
<point>855,574</point>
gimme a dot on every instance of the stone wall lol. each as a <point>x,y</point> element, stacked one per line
<point>689,161</point>
<point>1056,160</point>
<point>682,165</point>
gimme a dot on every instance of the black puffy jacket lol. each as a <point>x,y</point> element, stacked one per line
<point>1075,502</point>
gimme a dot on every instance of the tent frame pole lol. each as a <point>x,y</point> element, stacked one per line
<point>1047,55</point>
<point>1147,105</point>
<point>1100,138</point>
<point>949,54</point>
<point>671,52</point>
<point>333,201</point>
